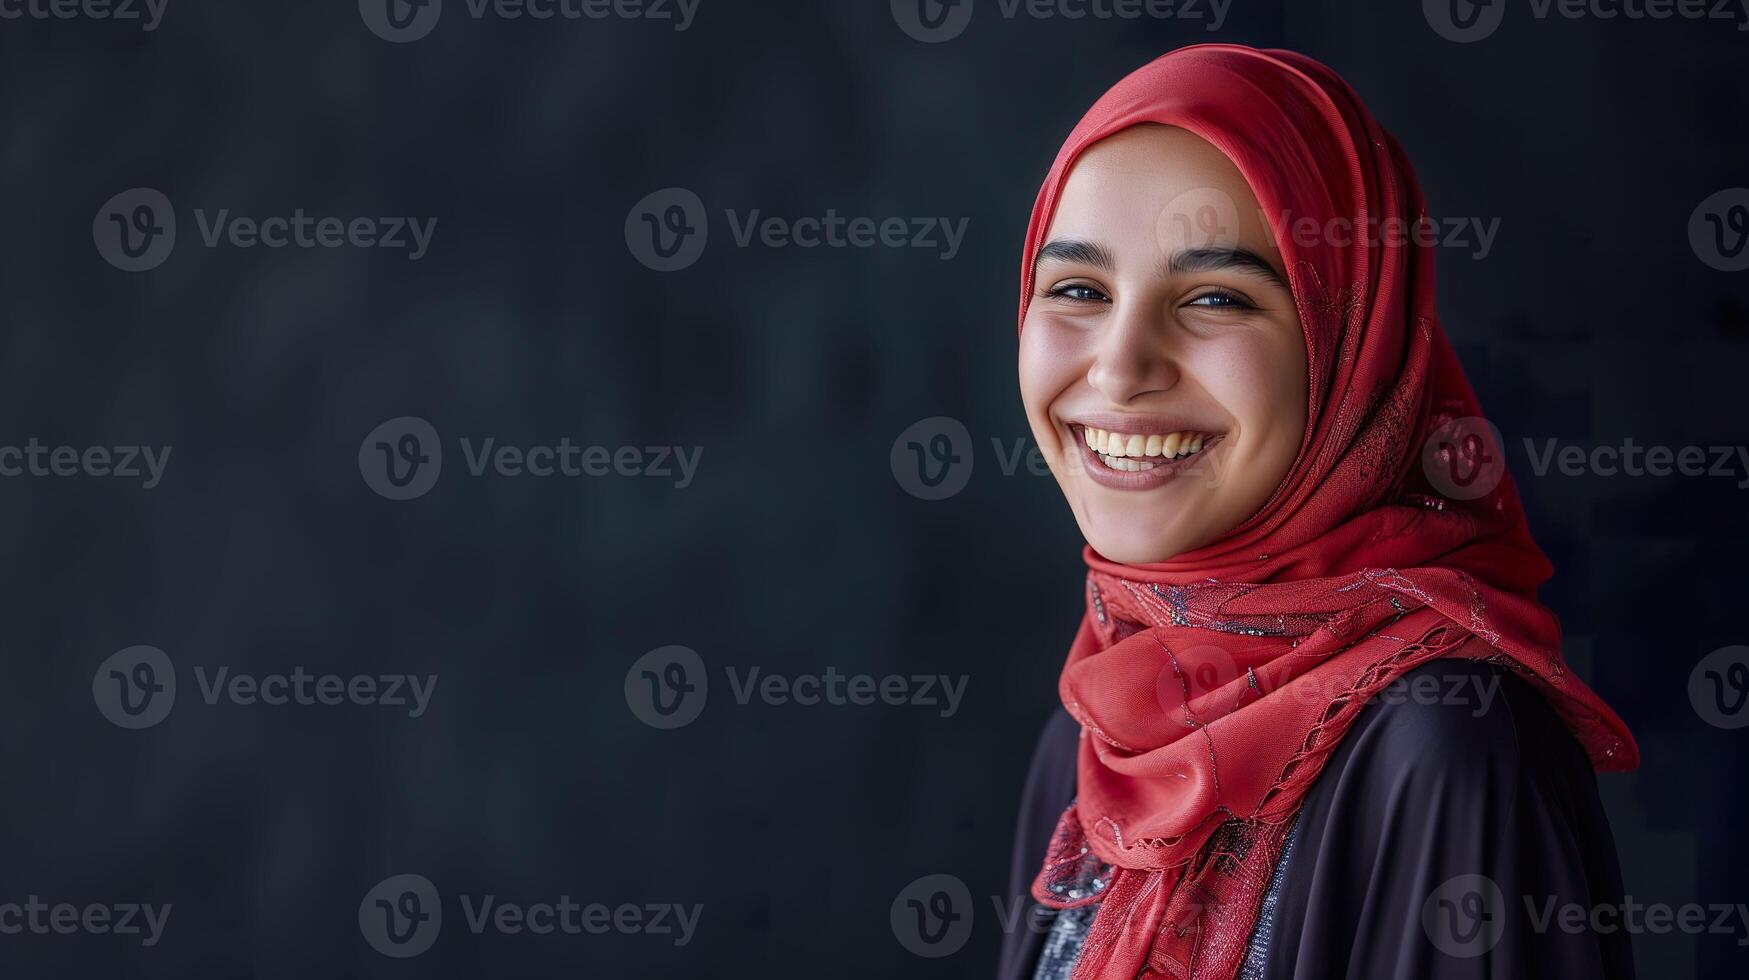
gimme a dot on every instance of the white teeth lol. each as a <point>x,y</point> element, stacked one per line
<point>1120,446</point>
<point>1127,465</point>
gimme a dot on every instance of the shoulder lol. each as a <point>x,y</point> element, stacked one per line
<point>1454,715</point>
<point>1458,769</point>
<point>1442,714</point>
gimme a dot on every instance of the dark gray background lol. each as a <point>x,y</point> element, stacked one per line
<point>795,549</point>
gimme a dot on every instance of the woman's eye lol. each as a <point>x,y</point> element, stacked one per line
<point>1220,300</point>
<point>1080,292</point>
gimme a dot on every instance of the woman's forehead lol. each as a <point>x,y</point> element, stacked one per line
<point>1162,188</point>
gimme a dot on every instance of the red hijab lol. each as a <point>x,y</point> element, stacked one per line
<point>1212,687</point>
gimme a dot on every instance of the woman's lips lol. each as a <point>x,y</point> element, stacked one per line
<point>1143,459</point>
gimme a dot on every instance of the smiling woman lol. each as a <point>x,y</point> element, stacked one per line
<point>1151,343</point>
<point>1316,723</point>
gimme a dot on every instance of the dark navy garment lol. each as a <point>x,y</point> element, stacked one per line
<point>1449,829</point>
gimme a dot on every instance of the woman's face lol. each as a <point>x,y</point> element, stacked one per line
<point>1162,361</point>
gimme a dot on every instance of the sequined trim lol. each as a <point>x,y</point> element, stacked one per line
<point>1257,950</point>
<point>1056,961</point>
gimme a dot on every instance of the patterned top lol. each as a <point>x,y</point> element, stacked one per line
<point>1062,946</point>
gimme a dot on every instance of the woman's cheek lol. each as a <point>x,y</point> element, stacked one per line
<point>1258,379</point>
<point>1050,361</point>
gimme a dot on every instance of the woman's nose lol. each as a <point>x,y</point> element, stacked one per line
<point>1134,356</point>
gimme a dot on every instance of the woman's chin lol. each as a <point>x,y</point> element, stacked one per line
<point>1132,542</point>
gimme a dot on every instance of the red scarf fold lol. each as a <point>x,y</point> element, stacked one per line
<point>1212,687</point>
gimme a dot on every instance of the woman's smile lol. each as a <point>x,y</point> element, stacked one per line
<point>1140,452</point>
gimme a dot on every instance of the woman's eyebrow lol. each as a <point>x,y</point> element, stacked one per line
<point>1077,251</point>
<point>1238,258</point>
